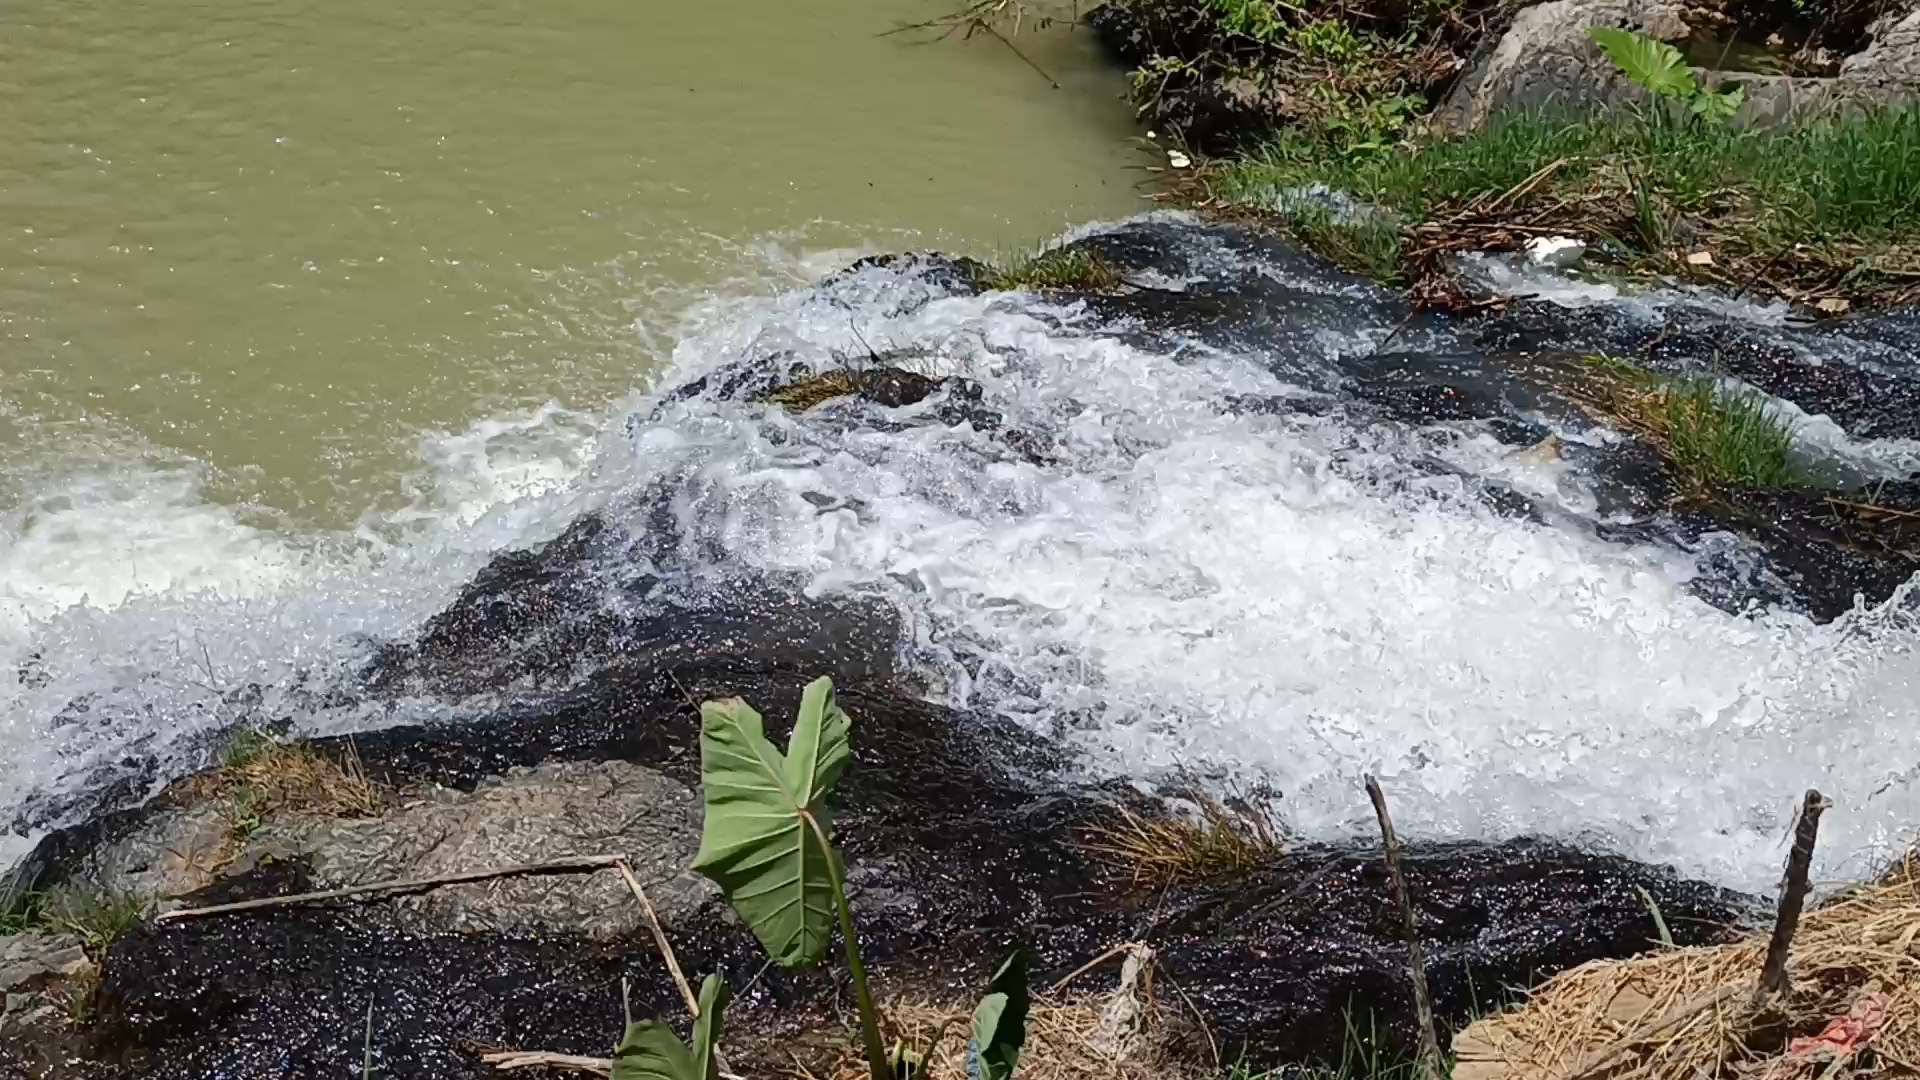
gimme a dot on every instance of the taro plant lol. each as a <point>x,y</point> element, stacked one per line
<point>768,843</point>
<point>1662,70</point>
<point>651,1051</point>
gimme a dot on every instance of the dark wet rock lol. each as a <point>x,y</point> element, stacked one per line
<point>1308,939</point>
<point>1862,373</point>
<point>173,851</point>
<point>956,274</point>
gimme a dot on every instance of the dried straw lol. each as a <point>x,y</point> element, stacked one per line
<point>292,777</point>
<point>1687,1014</point>
<point>1064,1042</point>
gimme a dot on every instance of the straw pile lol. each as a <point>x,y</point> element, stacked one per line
<point>1689,1014</point>
<point>1120,1035</point>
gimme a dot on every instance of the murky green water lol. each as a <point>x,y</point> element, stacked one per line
<point>284,237</point>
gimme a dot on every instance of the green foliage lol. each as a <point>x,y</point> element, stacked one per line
<point>96,919</point>
<point>1753,194</point>
<point>1054,268</point>
<point>1329,41</point>
<point>1663,71</point>
<point>1000,1022</point>
<point>651,1051</point>
<point>1655,65</point>
<point>20,909</point>
<point>767,843</point>
<point>1718,439</point>
<point>1368,245</point>
<point>765,837</point>
<point>1722,438</point>
<point>1256,19</point>
<point>245,746</point>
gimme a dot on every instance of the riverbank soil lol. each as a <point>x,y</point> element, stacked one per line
<point>1390,137</point>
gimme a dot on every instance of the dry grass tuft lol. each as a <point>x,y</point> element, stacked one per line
<point>1068,1038</point>
<point>262,777</point>
<point>1171,849</point>
<point>806,392</point>
<point>1598,1021</point>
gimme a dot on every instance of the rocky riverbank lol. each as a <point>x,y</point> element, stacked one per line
<point>1393,137</point>
<point>570,671</point>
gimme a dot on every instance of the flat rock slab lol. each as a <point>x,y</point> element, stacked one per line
<point>526,817</point>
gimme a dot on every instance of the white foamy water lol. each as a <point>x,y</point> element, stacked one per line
<point>1292,599</point>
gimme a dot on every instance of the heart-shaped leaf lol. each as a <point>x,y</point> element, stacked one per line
<point>1653,64</point>
<point>651,1051</point>
<point>764,841</point>
<point>1000,1023</point>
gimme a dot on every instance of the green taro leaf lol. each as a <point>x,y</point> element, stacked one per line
<point>651,1051</point>
<point>757,843</point>
<point>1000,1023</point>
<point>1718,106</point>
<point>1655,65</point>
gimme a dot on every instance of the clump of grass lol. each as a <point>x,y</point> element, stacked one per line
<point>1717,439</point>
<point>1824,207</point>
<point>1053,268</point>
<point>1170,849</point>
<point>20,909</point>
<point>1367,244</point>
<point>261,776</point>
<point>95,918</point>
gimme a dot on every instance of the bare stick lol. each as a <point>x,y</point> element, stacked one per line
<point>1793,897</point>
<point>666,953</point>
<point>1429,1064</point>
<point>533,1059</point>
<point>660,939</point>
<point>1117,950</point>
<point>570,864</point>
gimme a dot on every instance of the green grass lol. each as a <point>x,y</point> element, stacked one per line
<point>95,919</point>
<point>246,745</point>
<point>1751,194</point>
<point>22,911</point>
<point>1718,440</point>
<point>1362,1057</point>
<point>1054,268</point>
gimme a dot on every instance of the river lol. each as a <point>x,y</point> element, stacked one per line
<point>276,244</point>
<point>310,314</point>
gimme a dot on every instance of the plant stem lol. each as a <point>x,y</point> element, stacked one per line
<point>877,1067</point>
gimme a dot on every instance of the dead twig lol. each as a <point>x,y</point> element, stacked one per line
<point>1793,897</point>
<point>1428,1061</point>
<point>525,1059</point>
<point>660,939</point>
<point>570,864</point>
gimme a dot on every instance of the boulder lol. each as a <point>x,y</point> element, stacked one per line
<point>1546,62</point>
<point>1889,67</point>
